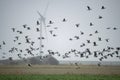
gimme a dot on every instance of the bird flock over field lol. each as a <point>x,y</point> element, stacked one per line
<point>31,48</point>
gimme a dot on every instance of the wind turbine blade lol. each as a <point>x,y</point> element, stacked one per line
<point>46,9</point>
<point>39,14</point>
<point>42,18</point>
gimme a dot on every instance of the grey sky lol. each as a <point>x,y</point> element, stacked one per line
<point>15,13</point>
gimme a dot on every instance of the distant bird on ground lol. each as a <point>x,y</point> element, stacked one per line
<point>10,58</point>
<point>99,64</point>
<point>29,65</point>
<point>88,7</point>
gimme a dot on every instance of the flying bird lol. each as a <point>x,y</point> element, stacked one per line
<point>37,29</point>
<point>94,44</point>
<point>13,29</point>
<point>4,43</point>
<point>103,7</point>
<point>88,7</point>
<point>50,22</point>
<point>64,20</point>
<point>100,17</point>
<point>77,25</point>
<point>38,23</point>
<point>91,24</point>
<point>24,26</point>
<point>70,39</point>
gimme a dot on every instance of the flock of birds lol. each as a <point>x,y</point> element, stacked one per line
<point>31,49</point>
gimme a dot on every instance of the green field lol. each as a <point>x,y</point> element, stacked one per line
<point>59,77</point>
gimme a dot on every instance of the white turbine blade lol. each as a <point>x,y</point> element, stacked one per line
<point>42,18</point>
<point>46,9</point>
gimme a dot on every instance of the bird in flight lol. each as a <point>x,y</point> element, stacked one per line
<point>50,22</point>
<point>77,25</point>
<point>103,7</point>
<point>100,17</point>
<point>88,7</point>
<point>64,20</point>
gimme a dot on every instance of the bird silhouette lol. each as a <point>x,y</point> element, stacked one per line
<point>70,39</point>
<point>103,7</point>
<point>13,29</point>
<point>17,37</point>
<point>37,29</point>
<point>64,20</point>
<point>114,28</point>
<point>38,23</point>
<point>81,32</point>
<point>96,31</point>
<point>54,35</point>
<point>29,65</point>
<point>77,37</point>
<point>94,44</point>
<point>50,22</point>
<point>4,43</point>
<point>28,28</point>
<point>88,7</point>
<point>24,26</point>
<point>51,31</point>
<point>107,40</point>
<point>91,24</point>
<point>99,39</point>
<point>88,41</point>
<point>100,17</point>
<point>77,25</point>
<point>90,34</point>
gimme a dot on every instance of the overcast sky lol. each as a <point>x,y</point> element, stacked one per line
<point>15,13</point>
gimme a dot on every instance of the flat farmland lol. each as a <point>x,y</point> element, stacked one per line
<point>60,69</point>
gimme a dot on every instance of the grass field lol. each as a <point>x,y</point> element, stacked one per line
<point>59,72</point>
<point>59,77</point>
